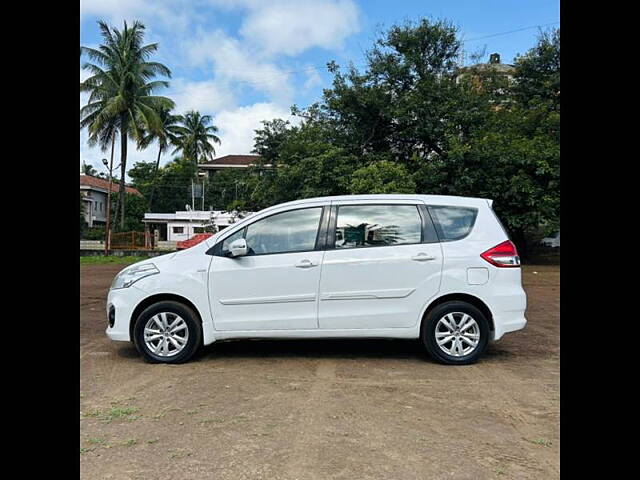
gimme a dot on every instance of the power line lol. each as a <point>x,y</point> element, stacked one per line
<point>511,31</point>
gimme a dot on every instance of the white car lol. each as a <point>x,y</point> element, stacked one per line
<point>436,268</point>
<point>552,241</point>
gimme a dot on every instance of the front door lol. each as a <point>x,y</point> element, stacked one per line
<point>381,267</point>
<point>275,286</point>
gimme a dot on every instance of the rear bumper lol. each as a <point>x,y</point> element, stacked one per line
<point>508,323</point>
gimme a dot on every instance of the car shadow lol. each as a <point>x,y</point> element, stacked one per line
<point>320,348</point>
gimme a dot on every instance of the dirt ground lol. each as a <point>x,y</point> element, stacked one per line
<point>325,409</point>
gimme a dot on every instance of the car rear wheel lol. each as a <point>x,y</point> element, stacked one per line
<point>167,332</point>
<point>455,333</point>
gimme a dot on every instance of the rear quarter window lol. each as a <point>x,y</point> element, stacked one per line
<point>453,223</point>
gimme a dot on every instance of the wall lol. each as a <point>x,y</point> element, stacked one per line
<point>99,212</point>
<point>187,230</point>
<point>99,245</point>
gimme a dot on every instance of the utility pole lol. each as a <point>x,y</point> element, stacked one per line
<point>203,193</point>
<point>107,242</point>
<point>193,196</point>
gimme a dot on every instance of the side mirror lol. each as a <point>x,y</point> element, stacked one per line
<point>238,248</point>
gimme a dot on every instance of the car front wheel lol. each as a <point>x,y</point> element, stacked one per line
<point>455,333</point>
<point>167,332</point>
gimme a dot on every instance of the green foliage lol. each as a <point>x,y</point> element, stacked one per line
<point>382,177</point>
<point>135,208</point>
<point>195,136</point>
<point>173,184</point>
<point>93,233</point>
<point>101,259</point>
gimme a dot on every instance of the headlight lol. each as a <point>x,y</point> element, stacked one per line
<point>128,277</point>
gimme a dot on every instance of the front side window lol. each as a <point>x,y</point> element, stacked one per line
<point>454,223</point>
<point>292,231</point>
<point>377,225</point>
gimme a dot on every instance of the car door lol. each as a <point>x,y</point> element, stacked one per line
<point>275,286</point>
<point>383,262</point>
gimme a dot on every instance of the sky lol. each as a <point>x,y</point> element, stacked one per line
<point>244,61</point>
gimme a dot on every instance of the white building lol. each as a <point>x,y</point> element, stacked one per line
<point>179,226</point>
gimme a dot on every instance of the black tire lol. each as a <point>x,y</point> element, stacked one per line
<point>191,319</point>
<point>428,333</point>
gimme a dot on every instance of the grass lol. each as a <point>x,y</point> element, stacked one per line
<point>120,412</point>
<point>541,441</point>
<point>114,413</point>
<point>102,260</point>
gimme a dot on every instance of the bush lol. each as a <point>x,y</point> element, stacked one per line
<point>95,233</point>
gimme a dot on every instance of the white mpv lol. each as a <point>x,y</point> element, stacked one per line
<point>436,268</point>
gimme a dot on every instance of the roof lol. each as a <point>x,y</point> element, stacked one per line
<point>497,67</point>
<point>232,161</point>
<point>102,184</point>
<point>218,216</point>
<point>430,199</point>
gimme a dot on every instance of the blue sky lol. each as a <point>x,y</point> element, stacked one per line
<point>243,61</point>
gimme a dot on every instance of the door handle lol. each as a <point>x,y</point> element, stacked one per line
<point>305,264</point>
<point>423,257</point>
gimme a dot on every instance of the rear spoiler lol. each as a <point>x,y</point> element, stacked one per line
<point>490,202</point>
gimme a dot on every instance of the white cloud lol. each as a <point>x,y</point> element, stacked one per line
<point>237,126</point>
<point>175,14</point>
<point>293,26</point>
<point>208,96</point>
<point>313,78</point>
<point>234,63</point>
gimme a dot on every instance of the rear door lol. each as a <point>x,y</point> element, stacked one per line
<point>383,262</point>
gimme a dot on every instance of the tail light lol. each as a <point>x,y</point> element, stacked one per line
<point>503,255</point>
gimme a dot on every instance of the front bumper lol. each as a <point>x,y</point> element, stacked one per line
<point>124,301</point>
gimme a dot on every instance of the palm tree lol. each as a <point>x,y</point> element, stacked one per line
<point>195,136</point>
<point>166,134</point>
<point>89,170</point>
<point>121,91</point>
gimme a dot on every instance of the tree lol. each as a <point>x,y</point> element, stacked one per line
<point>382,176</point>
<point>305,163</point>
<point>195,137</point>
<point>121,88</point>
<point>172,183</point>
<point>165,134</point>
<point>136,207</point>
<point>88,169</point>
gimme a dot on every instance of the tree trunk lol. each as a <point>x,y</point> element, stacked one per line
<point>153,184</point>
<point>123,172</point>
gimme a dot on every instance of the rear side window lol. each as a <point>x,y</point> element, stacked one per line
<point>377,225</point>
<point>453,223</point>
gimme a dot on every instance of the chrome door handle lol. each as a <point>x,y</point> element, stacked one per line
<point>422,257</point>
<point>306,264</point>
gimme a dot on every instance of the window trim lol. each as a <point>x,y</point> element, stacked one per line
<point>217,251</point>
<point>331,234</point>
